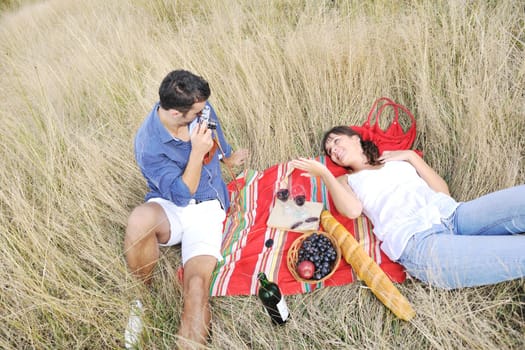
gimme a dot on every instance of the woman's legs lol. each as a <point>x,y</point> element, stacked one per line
<point>452,261</point>
<point>481,244</point>
<point>497,213</point>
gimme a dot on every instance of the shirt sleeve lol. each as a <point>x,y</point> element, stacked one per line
<point>164,176</point>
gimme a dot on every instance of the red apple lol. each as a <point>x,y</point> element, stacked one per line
<point>306,269</point>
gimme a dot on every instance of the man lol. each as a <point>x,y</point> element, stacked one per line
<point>179,155</point>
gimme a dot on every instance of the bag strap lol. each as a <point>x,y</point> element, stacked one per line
<point>374,107</point>
<point>395,106</point>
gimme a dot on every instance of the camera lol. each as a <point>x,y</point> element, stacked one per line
<point>212,125</point>
<point>205,117</point>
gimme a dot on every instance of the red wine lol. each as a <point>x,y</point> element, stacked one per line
<point>272,299</point>
<point>299,200</point>
<point>283,194</point>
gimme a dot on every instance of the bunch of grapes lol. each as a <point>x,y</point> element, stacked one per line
<point>318,249</point>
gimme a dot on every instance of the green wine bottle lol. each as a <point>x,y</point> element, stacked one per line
<point>272,299</point>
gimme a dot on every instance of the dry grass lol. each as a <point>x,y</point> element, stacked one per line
<point>77,78</point>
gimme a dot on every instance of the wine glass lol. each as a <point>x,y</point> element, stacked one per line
<point>283,194</point>
<point>299,197</point>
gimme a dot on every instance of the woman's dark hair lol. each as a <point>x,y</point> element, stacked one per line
<point>180,89</point>
<point>369,148</point>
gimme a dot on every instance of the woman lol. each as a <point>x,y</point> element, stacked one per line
<point>440,241</point>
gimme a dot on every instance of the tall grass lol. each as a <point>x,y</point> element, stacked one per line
<point>77,78</point>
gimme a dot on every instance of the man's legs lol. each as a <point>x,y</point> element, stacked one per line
<point>148,226</point>
<point>196,314</point>
<point>201,247</point>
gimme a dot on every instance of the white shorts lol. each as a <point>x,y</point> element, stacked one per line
<point>198,227</point>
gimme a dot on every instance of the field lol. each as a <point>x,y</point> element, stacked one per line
<point>78,77</point>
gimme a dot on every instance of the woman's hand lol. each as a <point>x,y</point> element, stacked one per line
<point>428,174</point>
<point>342,195</point>
<point>406,155</point>
<point>312,167</point>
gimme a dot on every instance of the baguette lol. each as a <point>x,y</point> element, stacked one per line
<point>367,269</point>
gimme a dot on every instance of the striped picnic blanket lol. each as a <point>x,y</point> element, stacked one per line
<point>245,253</point>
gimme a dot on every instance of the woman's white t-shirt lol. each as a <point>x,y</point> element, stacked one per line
<point>399,203</point>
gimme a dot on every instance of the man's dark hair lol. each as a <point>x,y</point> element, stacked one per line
<point>180,89</point>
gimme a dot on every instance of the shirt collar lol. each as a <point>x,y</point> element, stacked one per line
<point>164,134</point>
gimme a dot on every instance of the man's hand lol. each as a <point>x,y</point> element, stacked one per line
<point>237,158</point>
<point>201,140</point>
<point>201,144</point>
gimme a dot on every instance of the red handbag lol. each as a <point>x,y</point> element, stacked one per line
<point>394,137</point>
<point>391,139</point>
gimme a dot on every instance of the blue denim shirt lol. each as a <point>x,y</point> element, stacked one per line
<point>163,159</point>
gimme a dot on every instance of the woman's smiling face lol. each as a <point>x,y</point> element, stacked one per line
<point>342,148</point>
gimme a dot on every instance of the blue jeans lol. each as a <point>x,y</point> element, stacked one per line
<point>481,243</point>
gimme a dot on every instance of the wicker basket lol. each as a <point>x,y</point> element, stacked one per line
<point>293,253</point>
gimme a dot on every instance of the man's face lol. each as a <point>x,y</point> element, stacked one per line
<point>194,111</point>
